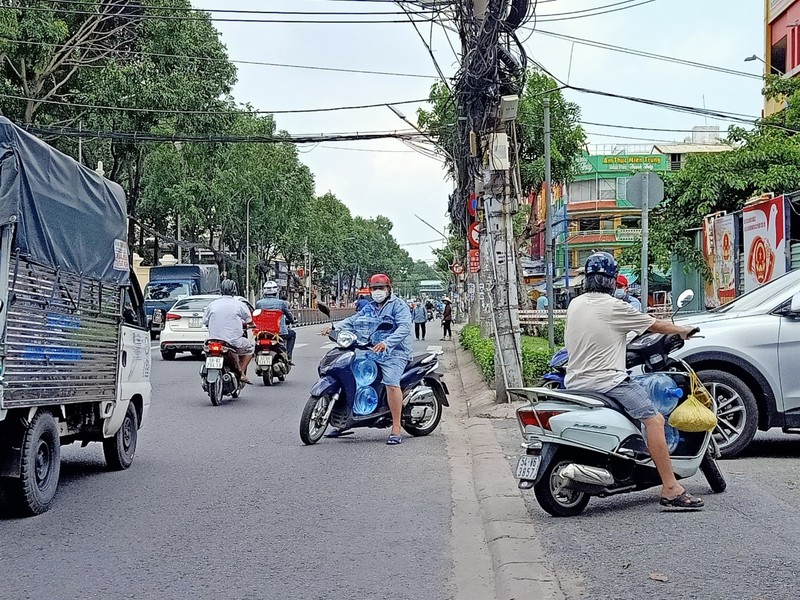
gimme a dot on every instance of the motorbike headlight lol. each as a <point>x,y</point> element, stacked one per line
<point>346,339</point>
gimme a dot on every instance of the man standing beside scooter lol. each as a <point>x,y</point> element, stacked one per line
<point>394,349</point>
<point>270,301</point>
<point>597,326</point>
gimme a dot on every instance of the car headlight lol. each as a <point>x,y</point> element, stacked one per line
<point>345,339</point>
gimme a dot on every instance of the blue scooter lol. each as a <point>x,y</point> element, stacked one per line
<point>350,395</point>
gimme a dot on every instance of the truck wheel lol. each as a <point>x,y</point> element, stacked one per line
<point>120,448</point>
<point>35,490</point>
<point>737,417</point>
<point>168,354</point>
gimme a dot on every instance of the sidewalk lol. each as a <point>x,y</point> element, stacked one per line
<point>519,571</point>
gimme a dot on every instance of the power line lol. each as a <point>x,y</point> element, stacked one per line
<point>585,10</point>
<point>595,14</point>
<point>123,5</point>
<point>210,112</point>
<point>138,136</point>
<point>242,62</point>
<point>136,17</point>
<point>644,54</point>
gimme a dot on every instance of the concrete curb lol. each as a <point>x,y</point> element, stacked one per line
<point>520,571</point>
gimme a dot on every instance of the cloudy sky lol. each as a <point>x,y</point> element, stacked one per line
<point>388,178</point>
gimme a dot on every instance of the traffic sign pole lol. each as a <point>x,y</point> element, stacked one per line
<point>645,227</point>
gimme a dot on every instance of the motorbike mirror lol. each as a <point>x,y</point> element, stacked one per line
<point>323,308</point>
<point>685,297</point>
<point>256,312</point>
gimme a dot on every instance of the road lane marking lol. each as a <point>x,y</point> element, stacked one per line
<point>434,349</point>
<point>328,346</point>
<point>300,345</point>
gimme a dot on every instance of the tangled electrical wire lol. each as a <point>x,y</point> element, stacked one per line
<point>494,65</point>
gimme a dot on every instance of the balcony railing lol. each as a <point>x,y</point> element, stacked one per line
<point>621,235</point>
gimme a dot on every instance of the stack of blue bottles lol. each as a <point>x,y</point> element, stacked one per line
<point>665,394</point>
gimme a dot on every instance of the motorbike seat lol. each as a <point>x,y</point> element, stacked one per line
<point>609,402</point>
<point>418,359</point>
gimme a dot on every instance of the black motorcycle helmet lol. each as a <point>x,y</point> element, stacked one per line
<point>228,287</point>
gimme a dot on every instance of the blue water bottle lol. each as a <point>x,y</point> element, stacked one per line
<point>662,390</point>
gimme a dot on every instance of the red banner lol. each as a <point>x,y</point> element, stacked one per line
<point>474,261</point>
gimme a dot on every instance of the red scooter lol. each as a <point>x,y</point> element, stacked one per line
<point>271,356</point>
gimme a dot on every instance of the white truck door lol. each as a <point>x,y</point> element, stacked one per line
<point>133,376</point>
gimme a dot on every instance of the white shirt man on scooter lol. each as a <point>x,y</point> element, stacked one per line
<point>596,338</point>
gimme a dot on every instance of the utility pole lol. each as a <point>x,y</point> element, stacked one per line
<point>645,227</point>
<point>247,250</point>
<point>548,220</point>
<point>179,239</point>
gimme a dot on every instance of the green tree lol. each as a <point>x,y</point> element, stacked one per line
<point>65,62</point>
<point>764,159</point>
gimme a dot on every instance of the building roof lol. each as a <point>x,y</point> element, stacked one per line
<point>690,148</point>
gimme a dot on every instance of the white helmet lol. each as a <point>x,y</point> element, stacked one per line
<point>270,288</point>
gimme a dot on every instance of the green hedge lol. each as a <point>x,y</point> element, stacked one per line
<point>535,354</point>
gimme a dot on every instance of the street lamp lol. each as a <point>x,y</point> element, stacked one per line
<point>758,58</point>
<point>247,250</point>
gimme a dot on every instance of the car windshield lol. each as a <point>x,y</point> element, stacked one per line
<point>757,297</point>
<point>166,291</point>
<point>193,304</point>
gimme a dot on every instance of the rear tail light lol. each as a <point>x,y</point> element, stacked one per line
<point>173,316</point>
<point>537,418</point>
<point>265,342</point>
<point>215,348</point>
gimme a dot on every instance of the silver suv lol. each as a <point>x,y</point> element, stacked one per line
<point>749,359</point>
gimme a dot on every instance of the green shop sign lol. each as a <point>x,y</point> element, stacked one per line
<point>621,162</point>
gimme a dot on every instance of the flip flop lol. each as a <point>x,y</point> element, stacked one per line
<point>684,501</point>
<point>394,440</point>
<point>245,380</point>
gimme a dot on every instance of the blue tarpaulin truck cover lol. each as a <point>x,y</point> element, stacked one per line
<point>67,216</point>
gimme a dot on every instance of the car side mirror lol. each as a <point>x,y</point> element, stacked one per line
<point>795,307</point>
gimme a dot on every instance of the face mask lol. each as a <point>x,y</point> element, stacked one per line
<point>379,296</point>
<point>619,294</point>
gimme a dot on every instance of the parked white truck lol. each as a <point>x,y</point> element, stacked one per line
<point>74,345</point>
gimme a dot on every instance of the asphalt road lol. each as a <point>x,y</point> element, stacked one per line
<point>744,545</point>
<point>226,503</point>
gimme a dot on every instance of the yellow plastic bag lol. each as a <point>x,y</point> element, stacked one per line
<point>693,415</point>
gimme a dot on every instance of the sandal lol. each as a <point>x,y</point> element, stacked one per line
<point>394,440</point>
<point>245,380</point>
<point>684,501</point>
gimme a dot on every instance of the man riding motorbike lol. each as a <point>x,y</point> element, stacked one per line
<point>597,326</point>
<point>270,301</point>
<point>393,347</point>
<point>226,319</point>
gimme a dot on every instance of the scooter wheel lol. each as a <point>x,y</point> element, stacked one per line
<point>555,500</point>
<point>267,378</point>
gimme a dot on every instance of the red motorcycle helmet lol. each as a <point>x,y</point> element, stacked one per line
<point>379,279</point>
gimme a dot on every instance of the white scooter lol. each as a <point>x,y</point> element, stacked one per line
<point>583,444</point>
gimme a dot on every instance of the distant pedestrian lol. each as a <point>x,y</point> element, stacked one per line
<point>420,316</point>
<point>447,319</point>
<point>542,303</point>
<point>362,302</point>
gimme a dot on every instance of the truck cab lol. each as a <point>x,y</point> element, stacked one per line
<point>170,283</point>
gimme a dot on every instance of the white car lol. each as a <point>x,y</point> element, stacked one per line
<point>183,326</point>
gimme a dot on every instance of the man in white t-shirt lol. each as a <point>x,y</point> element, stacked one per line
<point>597,328</point>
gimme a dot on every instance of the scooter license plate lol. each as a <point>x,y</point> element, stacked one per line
<point>264,360</point>
<point>214,362</point>
<point>528,467</point>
